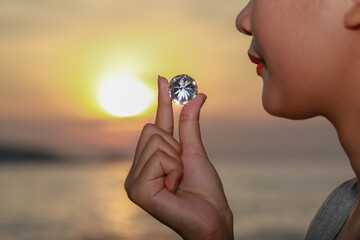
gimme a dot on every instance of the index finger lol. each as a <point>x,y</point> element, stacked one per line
<point>164,114</point>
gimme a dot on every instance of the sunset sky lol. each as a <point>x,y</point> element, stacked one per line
<point>55,55</point>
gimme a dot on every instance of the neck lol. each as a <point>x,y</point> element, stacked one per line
<point>348,130</point>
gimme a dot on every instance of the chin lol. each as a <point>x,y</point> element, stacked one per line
<point>286,110</point>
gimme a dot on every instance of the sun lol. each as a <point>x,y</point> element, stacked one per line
<point>123,95</point>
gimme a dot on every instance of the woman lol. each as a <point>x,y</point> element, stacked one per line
<point>308,55</point>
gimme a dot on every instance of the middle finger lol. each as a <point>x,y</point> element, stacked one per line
<point>149,130</point>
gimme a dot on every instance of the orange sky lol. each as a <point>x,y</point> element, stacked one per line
<point>54,53</point>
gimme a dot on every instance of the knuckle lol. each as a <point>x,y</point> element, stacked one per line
<point>157,157</point>
<point>128,190</point>
<point>156,139</point>
<point>187,117</point>
<point>161,155</point>
<point>132,192</point>
<point>127,185</point>
<point>158,154</point>
<point>184,117</point>
<point>149,127</point>
<point>165,101</point>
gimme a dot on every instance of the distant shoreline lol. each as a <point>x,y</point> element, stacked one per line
<point>23,154</point>
<point>29,155</point>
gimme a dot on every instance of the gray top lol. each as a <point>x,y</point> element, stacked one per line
<point>334,212</point>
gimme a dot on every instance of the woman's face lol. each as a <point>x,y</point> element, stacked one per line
<point>306,51</point>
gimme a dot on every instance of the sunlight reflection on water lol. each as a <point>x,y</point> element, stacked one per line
<point>87,201</point>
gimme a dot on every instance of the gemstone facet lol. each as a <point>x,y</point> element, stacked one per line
<point>182,88</point>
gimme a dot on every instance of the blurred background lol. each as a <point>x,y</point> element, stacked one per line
<point>78,82</point>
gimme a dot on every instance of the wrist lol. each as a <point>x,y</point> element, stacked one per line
<point>221,230</point>
<point>224,229</point>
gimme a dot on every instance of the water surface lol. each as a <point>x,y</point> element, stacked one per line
<point>270,200</point>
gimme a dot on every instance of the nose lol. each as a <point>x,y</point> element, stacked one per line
<point>243,23</point>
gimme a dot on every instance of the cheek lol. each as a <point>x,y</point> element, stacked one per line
<point>301,62</point>
<point>291,81</point>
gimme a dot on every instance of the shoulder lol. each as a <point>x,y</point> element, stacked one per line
<point>334,211</point>
<point>347,192</point>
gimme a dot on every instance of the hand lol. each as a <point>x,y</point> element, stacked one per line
<point>175,182</point>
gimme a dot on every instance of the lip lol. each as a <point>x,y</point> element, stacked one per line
<point>260,63</point>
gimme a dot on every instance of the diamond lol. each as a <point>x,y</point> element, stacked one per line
<point>182,89</point>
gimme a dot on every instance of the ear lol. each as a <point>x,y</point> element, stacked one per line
<point>352,17</point>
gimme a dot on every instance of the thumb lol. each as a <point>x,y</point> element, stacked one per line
<point>189,127</point>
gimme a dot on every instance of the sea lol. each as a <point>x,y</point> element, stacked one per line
<point>270,199</point>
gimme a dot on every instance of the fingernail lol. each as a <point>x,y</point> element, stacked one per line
<point>159,81</point>
<point>204,100</point>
